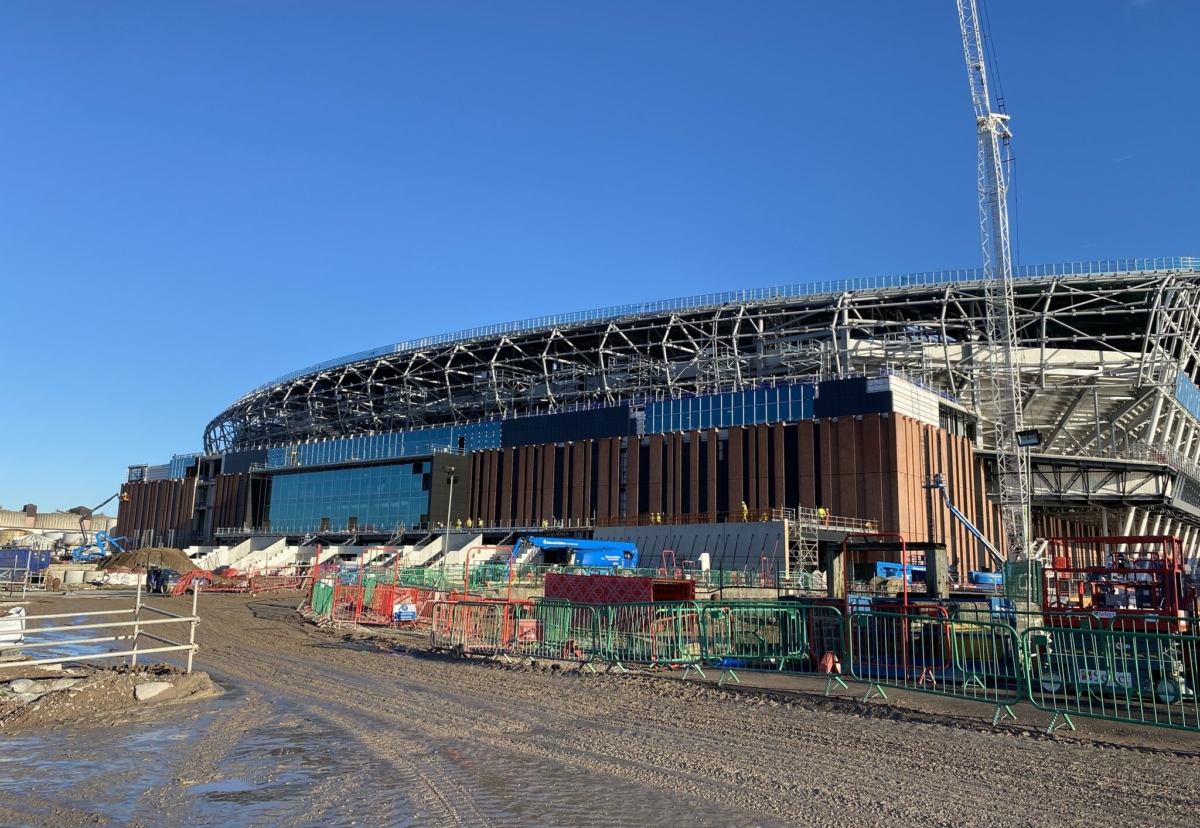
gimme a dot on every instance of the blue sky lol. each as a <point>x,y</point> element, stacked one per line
<point>198,197</point>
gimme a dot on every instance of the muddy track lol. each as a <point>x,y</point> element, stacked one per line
<point>319,727</point>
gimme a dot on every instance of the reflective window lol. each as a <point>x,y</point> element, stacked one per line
<point>380,498</point>
<point>780,404</point>
<point>474,437</point>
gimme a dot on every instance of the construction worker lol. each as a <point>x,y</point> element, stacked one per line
<point>745,512</point>
<point>823,514</point>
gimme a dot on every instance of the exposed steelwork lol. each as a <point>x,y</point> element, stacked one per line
<point>1098,358</point>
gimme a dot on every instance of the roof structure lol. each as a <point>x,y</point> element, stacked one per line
<point>1103,346</point>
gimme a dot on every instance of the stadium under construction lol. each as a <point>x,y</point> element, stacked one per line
<point>741,429</point>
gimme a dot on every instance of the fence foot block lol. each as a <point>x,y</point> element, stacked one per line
<point>874,688</point>
<point>832,679</point>
<point>1003,711</point>
<point>1054,725</point>
<point>728,674</point>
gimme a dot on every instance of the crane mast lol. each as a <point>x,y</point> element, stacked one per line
<point>1003,371</point>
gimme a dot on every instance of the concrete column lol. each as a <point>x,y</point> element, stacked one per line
<point>835,571</point>
<point>937,574</point>
<point>1153,529</point>
<point>1127,526</point>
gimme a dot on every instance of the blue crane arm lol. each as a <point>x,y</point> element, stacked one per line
<point>940,484</point>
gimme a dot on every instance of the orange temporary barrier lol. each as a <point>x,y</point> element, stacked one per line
<point>283,577</point>
<point>229,581</point>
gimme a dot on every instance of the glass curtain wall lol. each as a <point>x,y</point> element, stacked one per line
<point>784,403</point>
<point>366,498</point>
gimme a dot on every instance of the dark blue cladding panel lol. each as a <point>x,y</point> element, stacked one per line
<point>594,424</point>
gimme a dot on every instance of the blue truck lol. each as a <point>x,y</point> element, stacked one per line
<point>593,554</point>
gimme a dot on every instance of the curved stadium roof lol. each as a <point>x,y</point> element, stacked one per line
<point>677,346</point>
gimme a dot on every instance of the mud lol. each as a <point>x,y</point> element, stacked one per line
<point>93,695</point>
<point>318,727</point>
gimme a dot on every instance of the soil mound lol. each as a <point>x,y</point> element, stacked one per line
<point>89,694</point>
<point>161,556</point>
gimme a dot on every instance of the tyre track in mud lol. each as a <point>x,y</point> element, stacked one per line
<point>411,738</point>
<point>729,751</point>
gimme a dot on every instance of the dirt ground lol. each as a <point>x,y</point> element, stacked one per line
<point>92,693</point>
<point>322,727</point>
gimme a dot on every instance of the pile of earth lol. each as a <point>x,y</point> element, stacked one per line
<point>38,697</point>
<point>160,556</point>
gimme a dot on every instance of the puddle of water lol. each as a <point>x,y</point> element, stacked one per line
<point>224,786</point>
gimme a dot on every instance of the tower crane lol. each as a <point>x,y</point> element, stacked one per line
<point>1003,371</point>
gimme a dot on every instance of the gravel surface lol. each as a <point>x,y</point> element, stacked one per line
<point>320,727</point>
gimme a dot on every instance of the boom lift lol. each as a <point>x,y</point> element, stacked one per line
<point>105,544</point>
<point>939,482</point>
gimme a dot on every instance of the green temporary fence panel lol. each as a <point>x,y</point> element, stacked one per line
<point>772,636</point>
<point>660,634</point>
<point>558,630</point>
<point>322,598</point>
<point>927,652</point>
<point>783,636</point>
<point>1123,675</point>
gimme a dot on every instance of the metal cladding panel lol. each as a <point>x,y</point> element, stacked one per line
<point>238,462</point>
<point>528,470</point>
<point>694,468</point>
<point>160,472</point>
<point>713,438</point>
<point>737,496</point>
<point>487,509</point>
<point>730,546</point>
<point>633,457</point>
<point>764,466</point>
<point>472,488</point>
<point>614,472</point>
<point>593,424</point>
<point>848,470</point>
<point>889,451</point>
<point>159,510</point>
<point>872,469</point>
<point>677,481</point>
<point>577,479</point>
<point>604,481</point>
<point>827,445</point>
<point>547,460</point>
<point>588,454</point>
<point>806,456</point>
<point>913,524</point>
<point>507,481</point>
<point>751,481</point>
<point>654,481</point>
<point>599,589</point>
<point>779,464</point>
<point>916,485</point>
<point>230,496</point>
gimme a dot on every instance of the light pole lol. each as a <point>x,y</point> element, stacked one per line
<point>450,478</point>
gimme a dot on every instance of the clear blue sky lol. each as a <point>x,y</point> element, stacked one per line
<point>198,197</point>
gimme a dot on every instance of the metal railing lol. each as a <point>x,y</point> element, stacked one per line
<point>822,288</point>
<point>1064,664</point>
<point>132,630</point>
